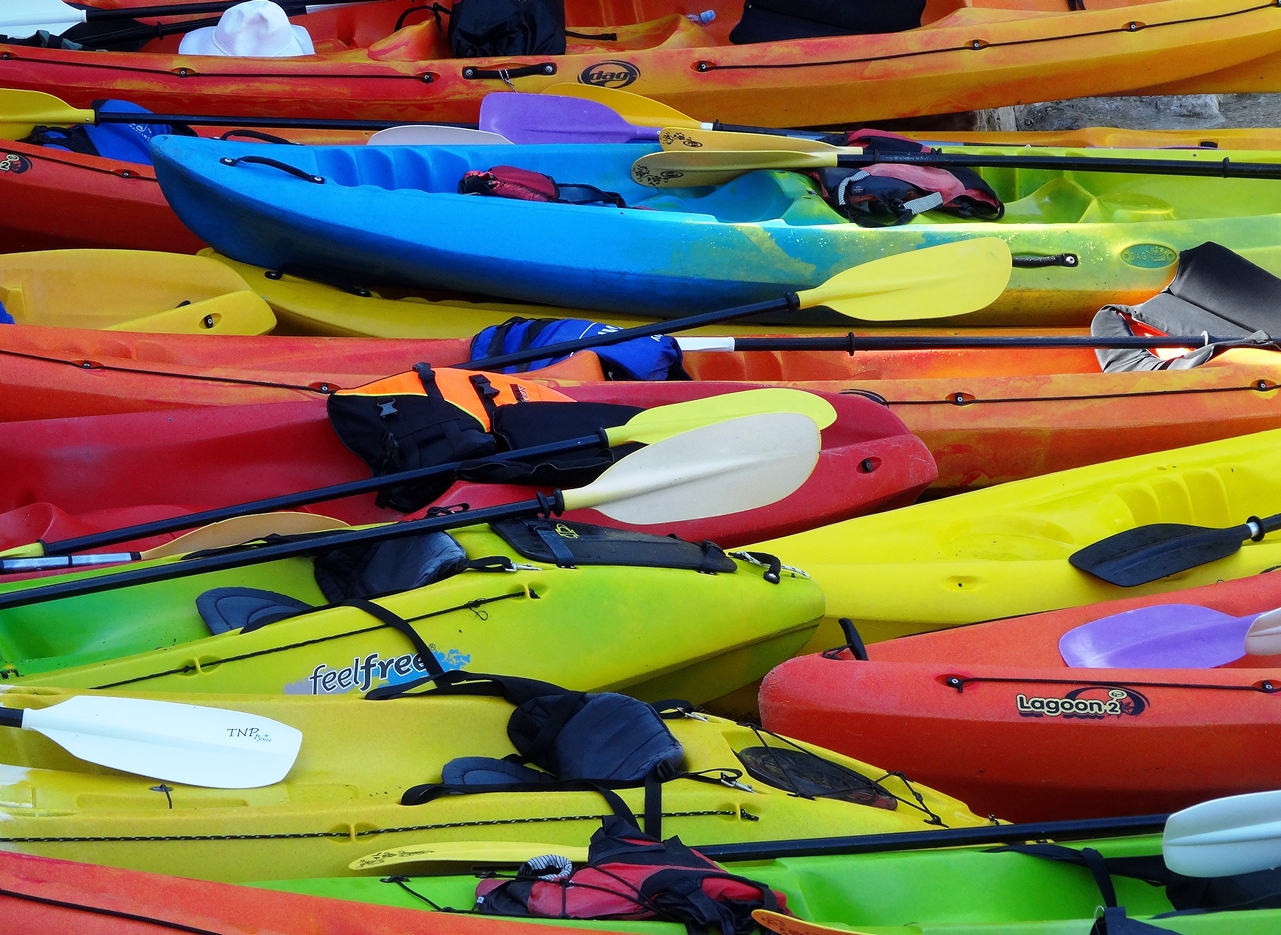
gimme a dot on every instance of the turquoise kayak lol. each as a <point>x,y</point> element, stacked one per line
<point>388,214</point>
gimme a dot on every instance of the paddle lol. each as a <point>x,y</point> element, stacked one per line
<point>431,135</point>
<point>546,118</point>
<point>717,165</point>
<point>191,744</point>
<point>933,282</point>
<point>218,535</point>
<point>728,467</point>
<point>469,852</point>
<point>1161,636</point>
<point>29,16</point>
<point>643,112</point>
<point>22,111</point>
<point>849,343</point>
<point>1224,837</point>
<point>1147,553</point>
<point>652,425</point>
<point>1264,636</point>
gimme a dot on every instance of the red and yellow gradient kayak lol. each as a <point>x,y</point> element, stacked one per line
<point>991,713</point>
<point>967,54</point>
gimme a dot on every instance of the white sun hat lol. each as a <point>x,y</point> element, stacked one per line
<point>254,29</point>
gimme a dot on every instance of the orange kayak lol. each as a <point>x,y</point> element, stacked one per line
<point>987,416</point>
<point>966,55</point>
<point>991,713</point>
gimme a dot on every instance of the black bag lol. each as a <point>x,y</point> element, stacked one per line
<point>488,28</point>
<point>773,20</point>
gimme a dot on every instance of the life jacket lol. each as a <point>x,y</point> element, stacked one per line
<point>654,358</point>
<point>527,185</point>
<point>631,875</point>
<point>773,20</point>
<point>428,417</point>
<point>126,142</point>
<point>885,195</point>
<point>1215,292</point>
<point>492,28</point>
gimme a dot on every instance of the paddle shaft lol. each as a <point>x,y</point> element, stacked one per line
<point>291,7</point>
<point>258,555</point>
<point>1224,168</point>
<point>789,302</point>
<point>303,497</point>
<point>947,837</point>
<point>855,342</point>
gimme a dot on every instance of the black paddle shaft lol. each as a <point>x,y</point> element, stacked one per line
<point>256,555</point>
<point>947,837</point>
<point>1224,168</point>
<point>317,495</point>
<point>789,302</point>
<point>291,7</point>
<point>851,342</point>
<point>1148,553</point>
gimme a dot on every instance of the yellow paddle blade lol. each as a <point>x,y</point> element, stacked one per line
<point>680,140</point>
<point>934,282</point>
<point>467,852</point>
<point>694,167</point>
<point>661,422</point>
<point>790,925</point>
<point>248,528</point>
<point>633,108</point>
<point>22,111</point>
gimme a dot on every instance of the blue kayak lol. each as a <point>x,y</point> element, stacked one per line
<point>392,214</point>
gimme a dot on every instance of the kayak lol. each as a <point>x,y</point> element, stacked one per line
<point>125,290</point>
<point>933,891</point>
<point>40,896</point>
<point>1003,551</point>
<point>993,714</point>
<point>1211,138</point>
<point>200,633</point>
<point>63,478</point>
<point>986,416</point>
<point>341,800</point>
<point>1092,238</point>
<point>963,57</point>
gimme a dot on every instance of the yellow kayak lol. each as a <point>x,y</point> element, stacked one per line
<point>129,290</point>
<point>341,800</point>
<point>1003,551</point>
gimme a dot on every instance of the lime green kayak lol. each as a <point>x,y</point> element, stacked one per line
<point>717,632</point>
<point>945,891</point>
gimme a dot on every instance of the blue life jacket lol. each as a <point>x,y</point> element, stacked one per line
<point>653,358</point>
<point>5,317</point>
<point>127,142</point>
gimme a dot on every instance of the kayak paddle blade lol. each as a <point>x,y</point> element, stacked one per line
<point>1148,553</point>
<point>934,282</point>
<point>1162,636</point>
<point>546,118</point>
<point>679,139</point>
<point>635,109</point>
<point>696,168</point>
<point>22,111</point>
<point>1224,837</point>
<point>189,744</point>
<point>422,135</point>
<point>468,852</point>
<point>662,422</point>
<point>727,467</point>
<point>1264,636</point>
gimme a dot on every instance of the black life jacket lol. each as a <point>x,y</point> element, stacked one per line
<point>490,28</point>
<point>772,20</point>
<point>429,417</point>
<point>1215,292</point>
<point>631,875</point>
<point>886,195</point>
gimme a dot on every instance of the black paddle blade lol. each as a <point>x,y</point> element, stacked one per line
<point>1147,553</point>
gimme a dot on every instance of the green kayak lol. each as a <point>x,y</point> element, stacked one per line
<point>944,891</point>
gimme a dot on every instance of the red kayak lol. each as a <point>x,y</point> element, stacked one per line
<point>67,477</point>
<point>40,896</point>
<point>992,714</point>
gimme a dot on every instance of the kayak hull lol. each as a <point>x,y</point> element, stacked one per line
<point>967,711</point>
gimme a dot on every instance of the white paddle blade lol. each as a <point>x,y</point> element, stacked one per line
<point>1223,837</point>
<point>410,135</point>
<point>21,18</point>
<point>728,467</point>
<point>1264,636</point>
<point>189,744</point>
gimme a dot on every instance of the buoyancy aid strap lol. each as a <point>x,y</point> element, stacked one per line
<point>1150,870</point>
<point>564,557</point>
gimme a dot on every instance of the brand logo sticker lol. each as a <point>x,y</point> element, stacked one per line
<point>1148,255</point>
<point>1090,702</point>
<point>15,163</point>
<point>372,671</point>
<point>610,74</point>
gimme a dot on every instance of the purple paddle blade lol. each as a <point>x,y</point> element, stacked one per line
<point>1163,636</point>
<point>550,118</point>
